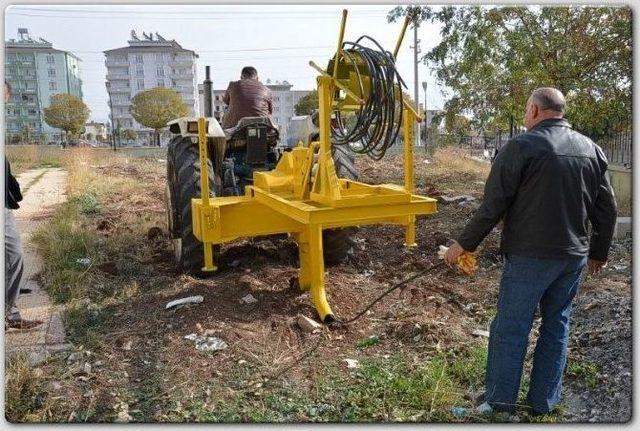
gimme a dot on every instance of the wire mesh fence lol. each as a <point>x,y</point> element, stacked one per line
<point>617,148</point>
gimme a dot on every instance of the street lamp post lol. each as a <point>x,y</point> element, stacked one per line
<point>113,131</point>
<point>426,114</point>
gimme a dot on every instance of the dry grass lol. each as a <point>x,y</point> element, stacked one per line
<point>24,157</point>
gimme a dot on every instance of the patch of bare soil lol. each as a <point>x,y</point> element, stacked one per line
<point>145,360</point>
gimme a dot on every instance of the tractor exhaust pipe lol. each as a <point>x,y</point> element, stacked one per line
<point>206,87</point>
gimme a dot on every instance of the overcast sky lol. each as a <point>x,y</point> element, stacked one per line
<point>278,40</point>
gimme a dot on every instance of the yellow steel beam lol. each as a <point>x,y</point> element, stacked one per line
<point>204,191</point>
<point>338,84</point>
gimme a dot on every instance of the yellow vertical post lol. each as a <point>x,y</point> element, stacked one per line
<point>325,186</point>
<point>409,185</point>
<point>204,191</point>
<point>409,119</point>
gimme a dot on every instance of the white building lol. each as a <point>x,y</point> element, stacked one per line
<point>284,101</point>
<point>36,71</point>
<point>95,131</point>
<point>147,63</point>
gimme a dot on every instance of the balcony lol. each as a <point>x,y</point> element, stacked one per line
<point>181,63</point>
<point>118,77</point>
<point>184,75</point>
<point>120,90</point>
<point>115,63</point>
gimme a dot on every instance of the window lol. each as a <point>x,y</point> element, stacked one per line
<point>159,56</point>
<point>51,73</point>
<point>138,58</point>
<point>32,112</point>
<point>139,70</point>
<point>160,71</point>
<point>53,85</point>
<point>160,83</point>
<point>140,84</point>
<point>51,59</point>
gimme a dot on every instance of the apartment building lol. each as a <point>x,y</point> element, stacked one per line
<point>148,62</point>
<point>36,71</point>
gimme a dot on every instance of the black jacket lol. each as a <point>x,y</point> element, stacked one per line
<point>12,189</point>
<point>546,185</point>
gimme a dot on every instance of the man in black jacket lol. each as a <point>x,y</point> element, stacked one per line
<point>13,261</point>
<point>546,185</point>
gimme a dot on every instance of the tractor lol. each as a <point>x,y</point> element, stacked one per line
<point>233,157</point>
<point>225,185</point>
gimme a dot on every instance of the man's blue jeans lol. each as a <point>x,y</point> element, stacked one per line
<point>526,283</point>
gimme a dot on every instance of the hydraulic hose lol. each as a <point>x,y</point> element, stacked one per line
<point>377,123</point>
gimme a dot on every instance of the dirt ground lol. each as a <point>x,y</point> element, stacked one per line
<point>143,369</point>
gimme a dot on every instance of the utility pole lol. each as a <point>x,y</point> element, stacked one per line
<point>416,93</point>
<point>426,114</point>
<point>113,130</point>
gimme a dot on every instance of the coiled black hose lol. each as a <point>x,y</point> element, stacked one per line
<point>377,123</point>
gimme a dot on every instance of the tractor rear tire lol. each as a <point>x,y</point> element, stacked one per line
<point>183,184</point>
<point>338,243</point>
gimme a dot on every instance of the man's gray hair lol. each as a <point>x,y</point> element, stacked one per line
<point>549,98</point>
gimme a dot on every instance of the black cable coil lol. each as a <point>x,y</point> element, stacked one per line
<point>377,122</point>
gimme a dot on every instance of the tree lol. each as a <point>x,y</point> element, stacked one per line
<point>307,104</point>
<point>492,58</point>
<point>129,134</point>
<point>66,112</point>
<point>89,136</point>
<point>155,107</point>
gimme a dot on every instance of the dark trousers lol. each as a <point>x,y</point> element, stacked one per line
<point>526,284</point>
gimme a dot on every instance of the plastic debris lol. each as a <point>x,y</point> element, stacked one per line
<point>183,301</point>
<point>86,261</point>
<point>352,363</point>
<point>484,409</point>
<point>307,324</point>
<point>459,412</point>
<point>480,333</point>
<point>249,299</point>
<point>207,344</point>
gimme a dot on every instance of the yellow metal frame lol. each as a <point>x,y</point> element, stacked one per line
<point>297,199</point>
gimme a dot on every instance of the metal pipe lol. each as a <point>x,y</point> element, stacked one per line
<point>401,36</point>
<point>343,25</point>
<point>206,87</point>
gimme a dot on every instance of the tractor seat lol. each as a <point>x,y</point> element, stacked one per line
<point>237,130</point>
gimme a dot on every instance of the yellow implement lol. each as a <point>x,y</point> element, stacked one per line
<point>301,200</point>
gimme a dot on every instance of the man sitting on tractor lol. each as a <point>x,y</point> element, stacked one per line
<point>247,97</point>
